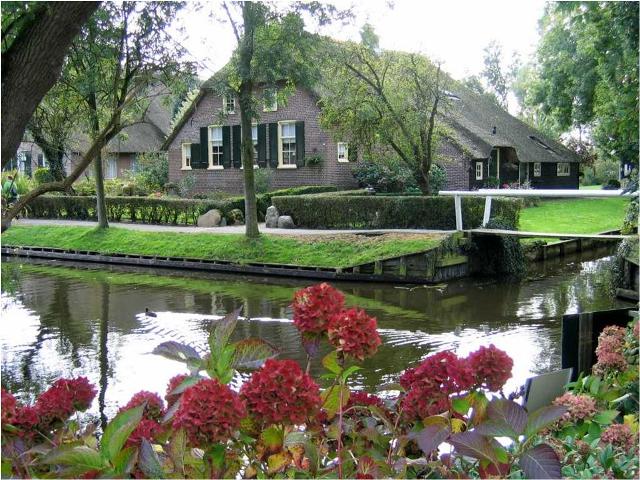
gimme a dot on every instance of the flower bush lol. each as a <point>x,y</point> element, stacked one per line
<point>280,423</point>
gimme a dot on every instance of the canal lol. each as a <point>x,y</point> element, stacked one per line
<point>62,319</point>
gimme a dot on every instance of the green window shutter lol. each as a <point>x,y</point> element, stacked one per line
<point>204,147</point>
<point>353,153</point>
<point>300,144</point>
<point>237,143</point>
<point>262,145</point>
<point>195,156</point>
<point>27,164</point>
<point>273,145</point>
<point>226,146</point>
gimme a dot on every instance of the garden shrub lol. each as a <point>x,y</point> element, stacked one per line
<point>262,178</point>
<point>612,184</point>
<point>280,423</point>
<point>394,177</point>
<point>151,172</point>
<point>42,175</point>
<point>358,211</point>
<point>22,182</point>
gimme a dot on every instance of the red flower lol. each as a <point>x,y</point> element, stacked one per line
<point>280,392</point>
<point>209,412</point>
<point>421,403</point>
<point>364,399</point>
<point>154,409</point>
<point>8,406</point>
<point>620,435</point>
<point>491,367</point>
<point>26,419</point>
<point>148,429</point>
<point>313,307</point>
<point>62,399</point>
<point>354,333</point>
<point>173,384</point>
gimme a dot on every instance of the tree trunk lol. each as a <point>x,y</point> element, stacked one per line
<point>101,204</point>
<point>422,177</point>
<point>32,64</point>
<point>246,93</point>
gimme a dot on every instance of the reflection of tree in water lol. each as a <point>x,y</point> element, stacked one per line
<point>103,353</point>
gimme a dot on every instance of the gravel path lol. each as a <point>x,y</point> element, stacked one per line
<point>229,229</point>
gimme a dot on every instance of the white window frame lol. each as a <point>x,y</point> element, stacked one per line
<point>229,100</point>
<point>112,168</point>
<point>254,140</point>
<point>479,171</point>
<point>44,161</point>
<point>345,156</point>
<point>219,154</point>
<point>537,169</point>
<point>273,107</point>
<point>186,156</point>
<point>281,163</point>
<point>563,172</point>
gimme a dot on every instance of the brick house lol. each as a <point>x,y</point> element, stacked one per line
<point>484,141</point>
<point>29,157</point>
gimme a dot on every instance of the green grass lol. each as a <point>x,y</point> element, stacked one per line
<point>590,187</point>
<point>333,251</point>
<point>583,215</point>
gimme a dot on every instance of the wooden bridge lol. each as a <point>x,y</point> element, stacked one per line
<point>488,194</point>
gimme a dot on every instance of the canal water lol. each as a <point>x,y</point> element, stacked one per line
<point>61,319</point>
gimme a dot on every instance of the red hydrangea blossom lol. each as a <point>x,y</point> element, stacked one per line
<point>147,428</point>
<point>610,350</point>
<point>173,384</point>
<point>313,307</point>
<point>9,404</point>
<point>491,367</point>
<point>209,412</point>
<point>26,419</point>
<point>63,398</point>
<point>429,385</point>
<point>579,407</point>
<point>280,392</point>
<point>154,408</point>
<point>620,435</point>
<point>364,399</point>
<point>354,333</point>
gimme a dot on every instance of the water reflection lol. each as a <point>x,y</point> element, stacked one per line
<point>61,320</point>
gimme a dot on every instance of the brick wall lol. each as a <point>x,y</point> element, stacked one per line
<point>456,164</point>
<point>300,107</point>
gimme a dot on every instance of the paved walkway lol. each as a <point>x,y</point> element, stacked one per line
<point>229,229</point>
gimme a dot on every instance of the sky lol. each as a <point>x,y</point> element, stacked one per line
<point>454,32</point>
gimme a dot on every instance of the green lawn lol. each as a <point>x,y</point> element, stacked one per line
<point>334,251</point>
<point>581,215</point>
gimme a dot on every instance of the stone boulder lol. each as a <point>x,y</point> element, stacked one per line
<point>285,221</point>
<point>236,217</point>
<point>271,217</point>
<point>210,219</point>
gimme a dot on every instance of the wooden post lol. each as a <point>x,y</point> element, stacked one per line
<point>487,211</point>
<point>458,205</point>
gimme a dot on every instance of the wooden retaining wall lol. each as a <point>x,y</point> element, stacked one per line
<point>567,247</point>
<point>430,266</point>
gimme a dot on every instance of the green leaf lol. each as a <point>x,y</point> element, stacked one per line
<point>217,454</point>
<point>331,399</point>
<point>190,381</point>
<point>606,417</point>
<point>349,371</point>
<point>148,461</point>
<point>7,468</point>
<point>181,353</point>
<point>540,462</point>
<point>595,386</point>
<point>222,330</point>
<point>474,445</point>
<point>251,353</point>
<point>505,419</point>
<point>118,431</point>
<point>272,437</point>
<point>76,455</point>
<point>277,462</point>
<point>461,405</point>
<point>430,437</point>
<point>178,450</point>
<point>330,362</point>
<point>124,462</point>
<point>543,417</point>
<point>501,454</point>
<point>295,438</point>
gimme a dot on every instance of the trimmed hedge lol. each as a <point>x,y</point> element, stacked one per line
<point>172,211</point>
<point>339,211</point>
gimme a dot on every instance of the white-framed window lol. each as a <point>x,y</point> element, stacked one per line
<point>215,147</point>
<point>537,169</point>
<point>479,170</point>
<point>42,161</point>
<point>343,152</point>
<point>229,103</point>
<point>186,156</point>
<point>563,169</point>
<point>112,168</point>
<point>270,100</point>
<point>287,144</point>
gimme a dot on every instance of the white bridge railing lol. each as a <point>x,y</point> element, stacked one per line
<point>489,193</point>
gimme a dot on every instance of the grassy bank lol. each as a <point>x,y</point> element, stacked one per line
<point>583,215</point>
<point>333,251</point>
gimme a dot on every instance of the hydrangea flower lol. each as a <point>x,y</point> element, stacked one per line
<point>9,405</point>
<point>27,418</point>
<point>174,382</point>
<point>610,350</point>
<point>579,407</point>
<point>154,408</point>
<point>491,367</point>
<point>354,333</point>
<point>62,399</point>
<point>209,412</point>
<point>620,435</point>
<point>280,392</point>
<point>147,428</point>
<point>313,307</point>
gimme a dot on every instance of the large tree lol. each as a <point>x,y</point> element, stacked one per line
<point>35,40</point>
<point>118,63</point>
<point>273,50</point>
<point>586,74</point>
<point>385,101</point>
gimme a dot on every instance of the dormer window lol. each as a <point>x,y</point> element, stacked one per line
<point>229,103</point>
<point>540,143</point>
